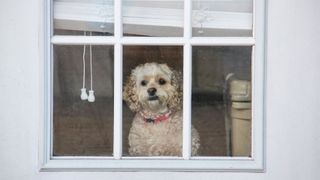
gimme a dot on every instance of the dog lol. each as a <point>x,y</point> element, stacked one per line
<point>154,92</point>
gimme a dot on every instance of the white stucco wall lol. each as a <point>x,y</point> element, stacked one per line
<point>293,100</point>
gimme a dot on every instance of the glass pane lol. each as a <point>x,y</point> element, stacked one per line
<point>80,127</point>
<point>222,18</point>
<point>221,100</point>
<point>152,106</point>
<point>153,18</point>
<point>74,17</point>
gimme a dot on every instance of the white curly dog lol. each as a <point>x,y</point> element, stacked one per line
<point>154,92</point>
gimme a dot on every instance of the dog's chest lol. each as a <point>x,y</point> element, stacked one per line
<point>163,132</point>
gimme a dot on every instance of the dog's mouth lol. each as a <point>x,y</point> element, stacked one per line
<point>153,98</point>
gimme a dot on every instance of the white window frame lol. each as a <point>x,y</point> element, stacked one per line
<point>255,163</point>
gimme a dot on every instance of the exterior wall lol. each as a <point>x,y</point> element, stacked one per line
<point>292,101</point>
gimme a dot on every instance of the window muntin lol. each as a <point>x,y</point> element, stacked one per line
<point>190,163</point>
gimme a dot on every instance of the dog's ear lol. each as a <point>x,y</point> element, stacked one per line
<point>175,102</point>
<point>129,93</point>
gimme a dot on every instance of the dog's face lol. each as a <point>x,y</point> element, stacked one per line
<point>153,86</point>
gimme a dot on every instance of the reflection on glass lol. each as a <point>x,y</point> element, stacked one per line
<point>153,18</point>
<point>152,107</point>
<point>221,100</point>
<point>80,127</point>
<point>222,18</point>
<point>74,17</point>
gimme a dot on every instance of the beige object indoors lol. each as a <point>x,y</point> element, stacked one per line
<point>240,90</point>
<point>240,114</point>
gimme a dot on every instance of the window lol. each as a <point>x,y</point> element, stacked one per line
<point>217,47</point>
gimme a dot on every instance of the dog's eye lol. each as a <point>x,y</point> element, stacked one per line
<point>143,83</point>
<point>162,81</point>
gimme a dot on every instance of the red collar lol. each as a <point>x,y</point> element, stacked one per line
<point>155,119</point>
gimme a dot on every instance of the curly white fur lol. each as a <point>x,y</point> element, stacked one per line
<point>163,138</point>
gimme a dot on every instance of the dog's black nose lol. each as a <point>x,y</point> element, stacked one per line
<point>152,91</point>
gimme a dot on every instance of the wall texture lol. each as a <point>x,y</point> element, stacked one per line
<point>292,115</point>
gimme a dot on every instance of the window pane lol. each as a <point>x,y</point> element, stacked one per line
<point>153,18</point>
<point>82,128</point>
<point>74,17</point>
<point>222,18</point>
<point>221,100</point>
<point>152,107</point>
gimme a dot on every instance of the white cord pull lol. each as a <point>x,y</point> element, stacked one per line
<point>91,97</point>
<point>84,95</point>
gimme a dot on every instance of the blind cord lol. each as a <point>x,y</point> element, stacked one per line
<point>91,67</point>
<point>91,97</point>
<point>84,95</point>
<point>84,67</point>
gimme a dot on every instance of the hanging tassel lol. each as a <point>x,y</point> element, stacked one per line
<point>91,97</point>
<point>84,95</point>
